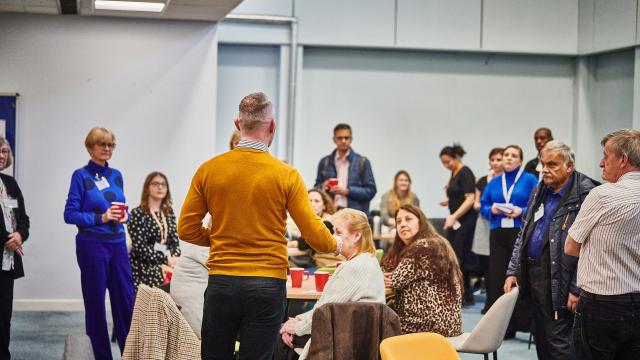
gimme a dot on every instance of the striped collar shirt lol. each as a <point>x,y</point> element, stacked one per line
<point>342,173</point>
<point>608,227</point>
<point>251,144</point>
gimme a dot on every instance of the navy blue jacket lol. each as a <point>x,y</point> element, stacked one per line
<point>362,185</point>
<point>86,203</point>
<point>562,267</point>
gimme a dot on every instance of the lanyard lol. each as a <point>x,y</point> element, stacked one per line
<point>505,193</point>
<point>162,225</point>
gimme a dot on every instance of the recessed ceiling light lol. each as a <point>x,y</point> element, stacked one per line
<point>129,5</point>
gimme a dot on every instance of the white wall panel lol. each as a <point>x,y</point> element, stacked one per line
<point>152,82</point>
<point>586,25</point>
<point>533,26</point>
<point>265,7</point>
<point>615,24</point>
<point>346,22</point>
<point>436,24</point>
<point>243,70</point>
<point>405,106</point>
<point>231,32</point>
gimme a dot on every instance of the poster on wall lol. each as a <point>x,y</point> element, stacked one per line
<point>8,103</point>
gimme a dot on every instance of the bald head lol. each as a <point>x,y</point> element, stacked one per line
<point>255,113</point>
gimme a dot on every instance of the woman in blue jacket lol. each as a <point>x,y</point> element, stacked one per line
<point>101,250</point>
<point>503,203</point>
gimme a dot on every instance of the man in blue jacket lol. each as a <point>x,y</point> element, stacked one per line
<point>346,175</point>
<point>547,276</point>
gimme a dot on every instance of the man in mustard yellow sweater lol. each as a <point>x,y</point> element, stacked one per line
<point>247,191</point>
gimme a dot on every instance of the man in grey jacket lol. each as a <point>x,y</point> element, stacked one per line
<point>547,275</point>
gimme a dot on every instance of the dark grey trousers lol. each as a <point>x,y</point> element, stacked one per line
<point>553,336</point>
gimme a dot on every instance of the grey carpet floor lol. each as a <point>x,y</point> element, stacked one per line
<point>40,335</point>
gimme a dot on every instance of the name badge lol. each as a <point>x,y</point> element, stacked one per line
<point>102,183</point>
<point>7,259</point>
<point>507,223</point>
<point>539,214</point>
<point>160,247</point>
<point>11,203</point>
<point>456,225</point>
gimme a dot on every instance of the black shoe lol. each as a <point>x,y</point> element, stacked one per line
<point>510,335</point>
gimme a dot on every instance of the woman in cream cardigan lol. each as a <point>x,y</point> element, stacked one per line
<point>359,278</point>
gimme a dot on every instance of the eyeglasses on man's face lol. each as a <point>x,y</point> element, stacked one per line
<point>104,145</point>
<point>342,138</point>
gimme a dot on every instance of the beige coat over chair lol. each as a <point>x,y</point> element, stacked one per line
<point>158,330</point>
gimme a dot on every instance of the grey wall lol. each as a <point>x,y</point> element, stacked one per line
<point>242,70</point>
<point>152,82</point>
<point>608,104</point>
<point>405,106</point>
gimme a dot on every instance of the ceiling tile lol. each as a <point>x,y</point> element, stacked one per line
<point>49,3</point>
<point>11,8</point>
<point>42,10</point>
<point>11,2</point>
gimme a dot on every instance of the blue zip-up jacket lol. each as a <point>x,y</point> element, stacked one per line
<point>86,203</point>
<point>519,197</point>
<point>361,188</point>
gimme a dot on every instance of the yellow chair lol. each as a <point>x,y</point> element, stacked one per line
<point>420,346</point>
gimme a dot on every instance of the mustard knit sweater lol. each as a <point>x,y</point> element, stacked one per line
<point>248,192</point>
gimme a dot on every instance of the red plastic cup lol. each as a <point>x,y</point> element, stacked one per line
<point>332,182</point>
<point>321,280</point>
<point>296,276</point>
<point>121,206</point>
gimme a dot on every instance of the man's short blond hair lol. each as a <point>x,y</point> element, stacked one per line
<point>625,142</point>
<point>255,109</point>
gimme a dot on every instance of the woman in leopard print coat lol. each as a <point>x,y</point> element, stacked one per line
<point>423,270</point>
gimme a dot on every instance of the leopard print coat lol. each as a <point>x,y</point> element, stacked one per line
<point>423,300</point>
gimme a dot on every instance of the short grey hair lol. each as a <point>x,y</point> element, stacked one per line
<point>625,142</point>
<point>562,149</point>
<point>255,109</point>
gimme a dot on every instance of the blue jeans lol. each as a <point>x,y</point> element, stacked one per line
<point>607,329</point>
<point>248,308</point>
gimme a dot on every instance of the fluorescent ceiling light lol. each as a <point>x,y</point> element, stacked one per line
<point>129,5</point>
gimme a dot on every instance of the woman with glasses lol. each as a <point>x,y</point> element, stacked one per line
<point>154,237</point>
<point>96,205</point>
<point>14,230</point>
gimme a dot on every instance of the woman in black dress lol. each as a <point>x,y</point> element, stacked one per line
<point>154,238</point>
<point>460,224</point>
<point>14,230</point>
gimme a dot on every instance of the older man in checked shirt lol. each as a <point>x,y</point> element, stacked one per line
<point>606,236</point>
